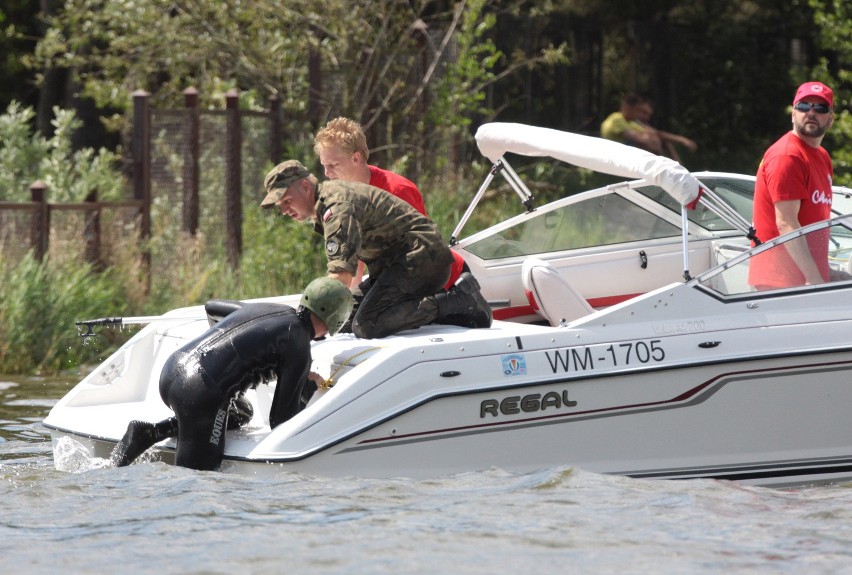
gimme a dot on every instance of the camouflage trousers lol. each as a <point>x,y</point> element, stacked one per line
<point>400,296</point>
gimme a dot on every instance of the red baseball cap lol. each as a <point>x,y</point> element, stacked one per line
<point>817,89</point>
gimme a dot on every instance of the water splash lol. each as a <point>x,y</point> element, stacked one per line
<point>71,456</point>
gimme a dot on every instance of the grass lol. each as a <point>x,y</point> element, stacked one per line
<point>42,300</point>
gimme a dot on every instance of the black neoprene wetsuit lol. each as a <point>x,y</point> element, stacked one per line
<point>255,343</point>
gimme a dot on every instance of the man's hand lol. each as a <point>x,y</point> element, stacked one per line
<point>343,277</point>
<point>320,381</point>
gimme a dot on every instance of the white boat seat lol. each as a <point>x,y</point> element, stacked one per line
<point>550,294</point>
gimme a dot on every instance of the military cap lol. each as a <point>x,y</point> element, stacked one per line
<point>279,178</point>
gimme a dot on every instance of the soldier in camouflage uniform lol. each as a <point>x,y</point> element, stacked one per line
<point>408,261</point>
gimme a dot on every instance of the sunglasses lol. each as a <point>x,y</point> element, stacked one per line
<point>808,106</point>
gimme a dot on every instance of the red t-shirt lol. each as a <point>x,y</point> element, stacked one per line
<point>405,189</point>
<point>790,170</point>
<point>402,188</point>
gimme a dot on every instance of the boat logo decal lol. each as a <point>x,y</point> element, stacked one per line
<point>514,364</point>
<point>529,403</point>
<point>680,327</point>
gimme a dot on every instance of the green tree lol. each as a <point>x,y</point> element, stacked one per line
<point>70,174</point>
<point>19,32</point>
<point>834,19</point>
<point>384,62</point>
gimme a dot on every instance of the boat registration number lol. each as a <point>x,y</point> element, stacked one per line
<point>587,358</point>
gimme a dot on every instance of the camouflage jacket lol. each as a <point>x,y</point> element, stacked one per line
<point>362,222</point>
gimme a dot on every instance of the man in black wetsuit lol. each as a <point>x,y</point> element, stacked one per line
<point>253,343</point>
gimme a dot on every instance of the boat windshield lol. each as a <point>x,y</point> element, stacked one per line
<point>736,192</point>
<point>824,248</point>
<point>609,219</point>
<point>597,221</point>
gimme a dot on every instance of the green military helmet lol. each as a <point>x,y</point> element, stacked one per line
<point>330,300</point>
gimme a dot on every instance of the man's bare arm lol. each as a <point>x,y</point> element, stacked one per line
<point>787,220</point>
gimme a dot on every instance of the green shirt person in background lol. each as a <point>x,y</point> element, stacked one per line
<point>631,126</point>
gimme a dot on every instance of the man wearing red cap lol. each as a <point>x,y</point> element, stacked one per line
<point>793,189</point>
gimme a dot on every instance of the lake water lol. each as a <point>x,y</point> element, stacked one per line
<point>153,518</point>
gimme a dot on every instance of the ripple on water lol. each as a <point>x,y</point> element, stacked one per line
<point>152,517</point>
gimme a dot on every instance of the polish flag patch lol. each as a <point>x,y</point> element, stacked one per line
<point>326,215</point>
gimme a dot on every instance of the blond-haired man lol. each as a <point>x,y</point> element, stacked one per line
<point>342,149</point>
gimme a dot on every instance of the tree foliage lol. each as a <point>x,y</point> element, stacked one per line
<point>404,69</point>
<point>19,32</point>
<point>70,175</point>
<point>420,74</point>
<point>834,21</point>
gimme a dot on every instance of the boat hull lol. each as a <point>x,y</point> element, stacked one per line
<point>766,421</point>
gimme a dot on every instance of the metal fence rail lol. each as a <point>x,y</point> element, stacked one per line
<point>193,169</point>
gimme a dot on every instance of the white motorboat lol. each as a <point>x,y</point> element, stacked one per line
<point>626,340</point>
